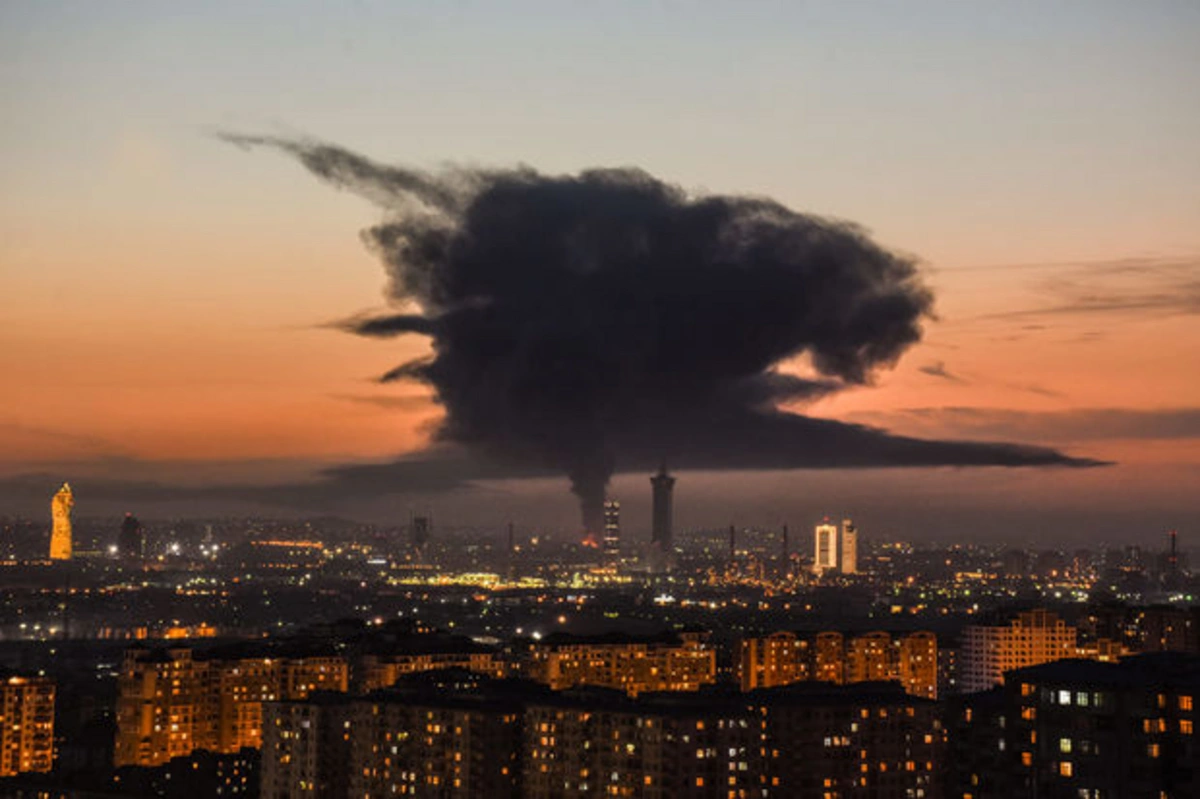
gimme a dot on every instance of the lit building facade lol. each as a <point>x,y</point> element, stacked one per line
<point>60,514</point>
<point>849,550</point>
<point>917,662</point>
<point>612,531</point>
<point>825,551</point>
<point>784,658</point>
<point>26,724</point>
<point>988,651</point>
<point>870,657</point>
<point>384,670</point>
<point>628,664</point>
<point>829,658</point>
<point>171,702</point>
<point>780,658</point>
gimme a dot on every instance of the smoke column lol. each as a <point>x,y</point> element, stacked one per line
<point>583,323</point>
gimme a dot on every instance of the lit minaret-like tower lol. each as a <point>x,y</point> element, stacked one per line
<point>60,512</point>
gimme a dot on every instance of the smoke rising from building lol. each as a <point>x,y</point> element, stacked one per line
<point>601,321</point>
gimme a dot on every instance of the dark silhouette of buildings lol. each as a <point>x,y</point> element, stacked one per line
<point>1081,728</point>
<point>661,534</point>
<point>419,530</point>
<point>453,733</point>
<point>131,542</point>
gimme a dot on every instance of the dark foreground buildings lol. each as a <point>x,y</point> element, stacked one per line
<point>1081,729</point>
<point>453,733</point>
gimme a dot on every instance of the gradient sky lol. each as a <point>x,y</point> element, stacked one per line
<point>163,292</point>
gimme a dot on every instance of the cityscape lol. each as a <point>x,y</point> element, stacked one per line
<point>258,657</point>
<point>773,400</point>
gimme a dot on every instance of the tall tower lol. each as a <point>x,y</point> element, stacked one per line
<point>825,553</point>
<point>612,531</point>
<point>60,512</point>
<point>131,543</point>
<point>661,538</point>
<point>849,558</point>
<point>419,531</point>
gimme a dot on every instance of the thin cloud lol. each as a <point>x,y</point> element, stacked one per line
<point>1132,287</point>
<point>411,402</point>
<point>1085,424</point>
<point>938,369</point>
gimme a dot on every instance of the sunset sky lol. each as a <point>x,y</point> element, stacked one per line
<point>166,296</point>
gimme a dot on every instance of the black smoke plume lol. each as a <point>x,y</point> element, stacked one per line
<point>584,323</point>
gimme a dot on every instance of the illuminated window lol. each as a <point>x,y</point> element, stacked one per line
<point>1026,758</point>
<point>1064,745</point>
<point>1185,703</point>
<point>1152,750</point>
<point>1065,769</point>
<point>1185,726</point>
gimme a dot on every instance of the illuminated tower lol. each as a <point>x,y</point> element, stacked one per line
<point>612,530</point>
<point>849,558</point>
<point>826,547</point>
<point>60,511</point>
<point>660,531</point>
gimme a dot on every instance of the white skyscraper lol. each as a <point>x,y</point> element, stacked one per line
<point>826,540</point>
<point>849,561</point>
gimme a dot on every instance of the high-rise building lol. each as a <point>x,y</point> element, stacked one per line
<point>784,658</point>
<point>825,537</point>
<point>419,529</point>
<point>869,739</point>
<point>131,543</point>
<point>454,734</point>
<point>1080,728</point>
<point>612,530</point>
<point>635,665</point>
<point>661,535</point>
<point>988,651</point>
<point>849,550</point>
<point>60,512</point>
<point>26,724</point>
<point>917,664</point>
<point>829,657</point>
<point>870,658</point>
<point>780,658</point>
<point>171,702</point>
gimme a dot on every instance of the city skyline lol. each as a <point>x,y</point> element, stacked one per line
<point>740,398</point>
<point>1056,232</point>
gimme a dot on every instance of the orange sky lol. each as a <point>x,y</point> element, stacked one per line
<point>163,293</point>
